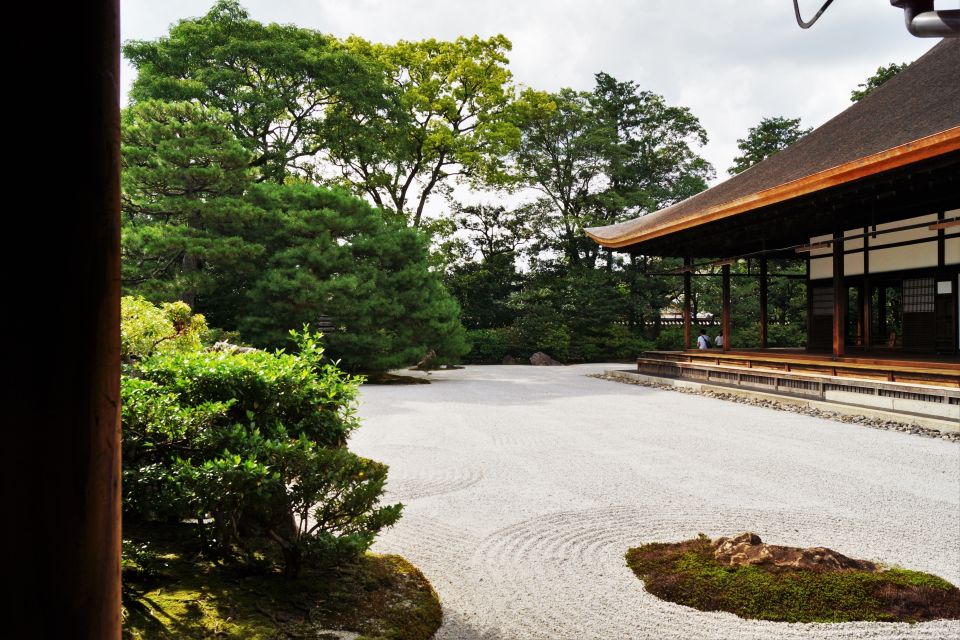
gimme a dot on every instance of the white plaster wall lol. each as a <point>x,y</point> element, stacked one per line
<point>914,256</point>
<point>952,251</point>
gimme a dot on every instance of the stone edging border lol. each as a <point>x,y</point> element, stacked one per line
<point>788,404</point>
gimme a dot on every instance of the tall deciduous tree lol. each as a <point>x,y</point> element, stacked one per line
<point>453,97</point>
<point>882,75</point>
<point>331,255</point>
<point>483,286</point>
<point>276,82</point>
<point>185,223</point>
<point>764,140</point>
<point>604,156</point>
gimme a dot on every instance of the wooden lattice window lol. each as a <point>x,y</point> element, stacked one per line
<point>918,295</point>
<point>822,301</point>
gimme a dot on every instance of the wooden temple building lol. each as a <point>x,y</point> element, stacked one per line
<point>871,201</point>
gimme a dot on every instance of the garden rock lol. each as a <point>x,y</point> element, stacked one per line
<point>231,348</point>
<point>541,359</point>
<point>748,549</point>
<point>508,359</point>
<point>428,361</point>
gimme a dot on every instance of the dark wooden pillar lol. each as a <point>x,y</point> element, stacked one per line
<point>941,244</point>
<point>839,297</point>
<point>687,299</point>
<point>867,306</point>
<point>763,302</point>
<point>63,442</point>
<point>882,312</point>
<point>726,307</point>
<point>809,292</point>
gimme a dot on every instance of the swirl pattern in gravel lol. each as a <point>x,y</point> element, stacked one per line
<point>525,486</point>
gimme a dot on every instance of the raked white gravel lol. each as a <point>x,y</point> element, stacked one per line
<point>524,486</point>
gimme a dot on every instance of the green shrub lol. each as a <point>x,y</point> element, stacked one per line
<point>146,328</point>
<point>249,445</point>
<point>778,335</point>
<point>300,392</point>
<point>490,346</point>
<point>611,342</point>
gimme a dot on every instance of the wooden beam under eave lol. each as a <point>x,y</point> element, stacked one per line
<point>866,319</point>
<point>763,302</point>
<point>839,297</point>
<point>687,286</point>
<point>726,307</point>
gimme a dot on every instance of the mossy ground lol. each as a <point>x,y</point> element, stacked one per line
<point>687,573</point>
<point>393,378</point>
<point>173,593</point>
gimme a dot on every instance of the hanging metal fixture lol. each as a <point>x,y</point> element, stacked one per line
<point>923,21</point>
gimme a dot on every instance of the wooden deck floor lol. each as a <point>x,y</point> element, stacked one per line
<point>892,367</point>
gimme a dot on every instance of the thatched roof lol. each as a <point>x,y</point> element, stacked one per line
<point>912,117</point>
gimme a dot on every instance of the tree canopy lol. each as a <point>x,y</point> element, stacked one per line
<point>601,157</point>
<point>186,225</point>
<point>450,121</point>
<point>767,138</point>
<point>882,75</point>
<point>333,256</point>
<point>275,176</point>
<point>275,82</point>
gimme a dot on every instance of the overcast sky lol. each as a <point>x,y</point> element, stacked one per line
<point>731,62</point>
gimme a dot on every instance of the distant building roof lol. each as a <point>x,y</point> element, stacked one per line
<point>912,117</point>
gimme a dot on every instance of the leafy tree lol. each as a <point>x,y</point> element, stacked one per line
<point>333,256</point>
<point>276,82</point>
<point>146,328</point>
<point>496,236</point>
<point>650,162</point>
<point>602,157</point>
<point>184,217</point>
<point>494,230</point>
<point>453,97</point>
<point>882,75</point>
<point>764,140</point>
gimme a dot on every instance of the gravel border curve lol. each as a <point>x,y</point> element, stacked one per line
<point>873,423</point>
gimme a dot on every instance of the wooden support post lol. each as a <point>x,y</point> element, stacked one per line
<point>62,447</point>
<point>839,297</point>
<point>809,291</point>
<point>726,307</point>
<point>866,313</point>
<point>941,244</point>
<point>882,312</point>
<point>763,302</point>
<point>687,300</point>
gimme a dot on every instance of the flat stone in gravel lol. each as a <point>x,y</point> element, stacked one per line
<point>525,486</point>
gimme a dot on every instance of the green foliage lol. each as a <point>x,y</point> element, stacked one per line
<point>334,256</point>
<point>249,445</point>
<point>279,393</point>
<point>332,495</point>
<point>778,335</point>
<point>882,75</point>
<point>277,82</point>
<point>490,346</point>
<point>146,328</point>
<point>602,157</point>
<point>449,119</point>
<point>482,290</point>
<point>687,573</point>
<point>767,138</point>
<point>185,223</point>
